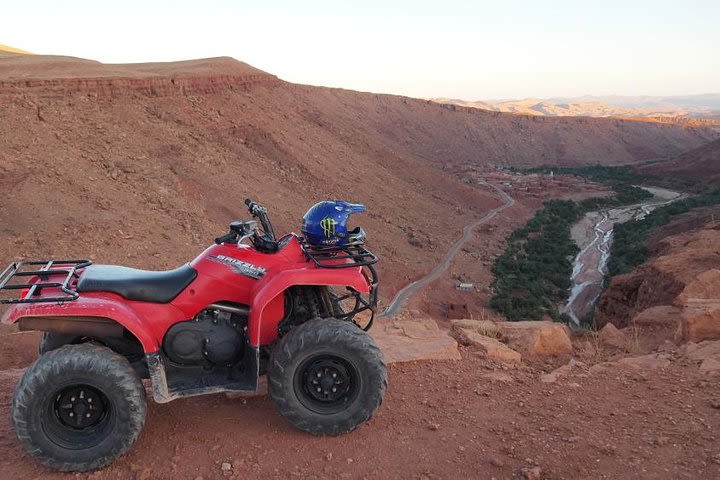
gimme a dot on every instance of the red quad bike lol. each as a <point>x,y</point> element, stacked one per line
<point>247,306</point>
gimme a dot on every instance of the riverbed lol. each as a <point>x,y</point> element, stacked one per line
<point>593,234</point>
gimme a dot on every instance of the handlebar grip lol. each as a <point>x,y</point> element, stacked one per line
<point>252,206</point>
<point>228,237</point>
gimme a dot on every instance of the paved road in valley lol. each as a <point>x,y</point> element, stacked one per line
<point>412,288</point>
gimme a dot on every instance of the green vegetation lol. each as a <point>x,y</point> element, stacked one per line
<point>597,173</point>
<point>628,249</point>
<point>532,276</point>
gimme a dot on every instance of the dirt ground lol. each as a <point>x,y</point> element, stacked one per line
<point>440,419</point>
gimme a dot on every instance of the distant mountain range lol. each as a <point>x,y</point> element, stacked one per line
<point>705,105</point>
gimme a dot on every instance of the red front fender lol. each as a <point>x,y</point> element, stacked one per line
<point>262,330</point>
<point>147,321</point>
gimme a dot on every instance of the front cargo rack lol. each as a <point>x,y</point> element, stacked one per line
<point>355,255</point>
<point>57,275</point>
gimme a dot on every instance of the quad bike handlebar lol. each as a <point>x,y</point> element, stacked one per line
<point>240,230</point>
<point>260,212</point>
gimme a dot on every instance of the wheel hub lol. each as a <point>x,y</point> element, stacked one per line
<point>80,406</point>
<point>328,380</point>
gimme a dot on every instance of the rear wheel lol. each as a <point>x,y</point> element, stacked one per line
<point>54,340</point>
<point>327,376</point>
<point>78,407</point>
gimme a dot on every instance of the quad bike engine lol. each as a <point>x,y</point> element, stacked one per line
<point>213,337</point>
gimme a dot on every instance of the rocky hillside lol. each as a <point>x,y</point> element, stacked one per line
<point>676,291</point>
<point>144,164</point>
<point>699,167</point>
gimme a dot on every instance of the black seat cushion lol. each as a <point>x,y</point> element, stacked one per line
<point>134,284</point>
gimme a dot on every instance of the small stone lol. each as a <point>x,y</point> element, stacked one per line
<point>531,473</point>
<point>661,441</point>
<point>329,457</point>
<point>495,461</point>
<point>610,336</point>
<point>715,403</point>
<point>225,467</point>
<point>349,460</point>
<point>146,474</point>
<point>434,426</point>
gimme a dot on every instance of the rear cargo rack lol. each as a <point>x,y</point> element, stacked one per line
<point>57,275</point>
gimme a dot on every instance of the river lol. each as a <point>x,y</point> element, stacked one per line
<point>593,235</point>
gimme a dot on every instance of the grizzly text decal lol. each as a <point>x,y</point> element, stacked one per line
<point>243,268</point>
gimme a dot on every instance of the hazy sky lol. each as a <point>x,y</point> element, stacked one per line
<point>452,48</point>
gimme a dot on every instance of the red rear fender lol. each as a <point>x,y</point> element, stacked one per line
<point>263,322</point>
<point>147,321</point>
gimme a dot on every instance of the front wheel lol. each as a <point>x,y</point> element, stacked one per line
<point>78,407</point>
<point>327,376</point>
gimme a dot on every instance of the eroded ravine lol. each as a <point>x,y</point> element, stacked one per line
<point>593,234</point>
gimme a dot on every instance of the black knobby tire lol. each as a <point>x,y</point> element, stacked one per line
<point>334,349</point>
<point>54,340</point>
<point>51,403</point>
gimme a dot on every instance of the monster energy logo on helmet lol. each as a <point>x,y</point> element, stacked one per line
<point>328,226</point>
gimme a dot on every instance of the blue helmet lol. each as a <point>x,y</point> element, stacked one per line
<point>325,224</point>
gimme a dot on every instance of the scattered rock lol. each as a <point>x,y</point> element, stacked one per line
<point>710,365</point>
<point>495,460</point>
<point>705,287</point>
<point>538,340</point>
<point>659,316</point>
<point>434,426</point>
<point>661,441</point>
<point>700,322</point>
<point>490,347</point>
<point>146,474</point>
<point>600,367</point>
<point>531,473</point>
<point>556,374</point>
<point>225,467</point>
<point>610,336</point>
<point>700,304</point>
<point>701,351</point>
<point>483,327</point>
<point>410,339</point>
<point>649,362</point>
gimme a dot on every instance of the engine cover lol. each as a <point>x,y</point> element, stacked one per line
<point>211,338</point>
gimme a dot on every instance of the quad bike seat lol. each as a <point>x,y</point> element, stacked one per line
<point>134,284</point>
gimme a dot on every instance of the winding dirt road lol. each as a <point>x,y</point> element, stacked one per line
<point>412,288</point>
